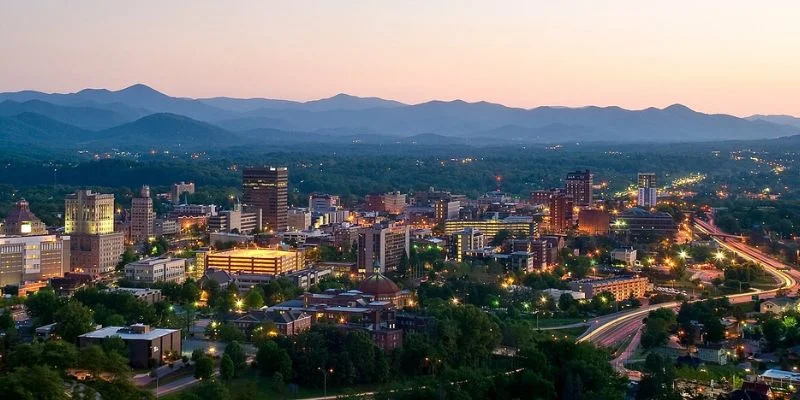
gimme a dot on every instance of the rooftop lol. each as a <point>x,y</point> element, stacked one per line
<point>780,374</point>
<point>126,334</point>
<point>254,253</point>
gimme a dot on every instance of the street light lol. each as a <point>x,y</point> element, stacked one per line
<point>719,256</point>
<point>325,373</point>
<point>683,254</point>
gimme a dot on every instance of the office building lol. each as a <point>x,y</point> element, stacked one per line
<point>266,189</point>
<point>146,346</point>
<point>179,190</point>
<point>622,288</point>
<point>636,221</point>
<point>322,203</point>
<point>89,220</point>
<point>384,244</point>
<point>594,222</point>
<point>21,221</point>
<point>467,241</point>
<point>236,220</point>
<point>578,185</point>
<point>445,210</point>
<point>88,213</point>
<point>298,220</point>
<point>193,210</point>
<point>628,256</point>
<point>391,203</point>
<point>142,216</point>
<point>152,270</point>
<point>33,258</point>
<point>255,261</point>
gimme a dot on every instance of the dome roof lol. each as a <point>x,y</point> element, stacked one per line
<point>378,285</point>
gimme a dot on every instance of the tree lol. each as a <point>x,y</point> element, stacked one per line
<point>228,332</point>
<point>59,354</point>
<point>204,368</point>
<point>272,359</point>
<point>254,299</point>
<point>42,306</point>
<point>190,292</point>
<point>36,382</point>
<point>657,327</point>
<point>73,319</point>
<point>128,256</point>
<point>500,237</point>
<point>115,344</point>
<point>236,353</point>
<point>226,368</point>
<point>197,354</point>
<point>565,301</point>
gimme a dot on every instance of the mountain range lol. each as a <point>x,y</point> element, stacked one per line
<point>140,117</point>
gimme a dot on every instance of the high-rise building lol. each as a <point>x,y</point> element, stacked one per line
<point>560,206</point>
<point>33,258</point>
<point>266,189</point>
<point>647,196</point>
<point>21,221</point>
<point>383,244</point>
<point>89,213</point>
<point>646,179</point>
<point>579,185</point>
<point>179,189</point>
<point>142,216</point>
<point>89,220</point>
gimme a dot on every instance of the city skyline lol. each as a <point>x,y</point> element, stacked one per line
<point>525,54</point>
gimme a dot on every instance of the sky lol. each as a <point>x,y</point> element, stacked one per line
<point>735,57</point>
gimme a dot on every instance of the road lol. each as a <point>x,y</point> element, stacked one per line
<point>623,325</point>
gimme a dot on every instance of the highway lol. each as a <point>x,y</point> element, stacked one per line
<point>613,330</point>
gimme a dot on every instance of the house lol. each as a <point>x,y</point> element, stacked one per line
<point>778,305</point>
<point>712,354</point>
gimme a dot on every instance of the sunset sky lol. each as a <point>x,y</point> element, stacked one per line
<point>737,57</point>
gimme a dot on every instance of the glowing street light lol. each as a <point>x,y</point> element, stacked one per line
<point>719,256</point>
<point>683,254</point>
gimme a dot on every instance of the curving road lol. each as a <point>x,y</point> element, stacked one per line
<point>621,326</point>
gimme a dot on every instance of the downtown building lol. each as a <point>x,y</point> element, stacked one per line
<point>179,189</point>
<point>143,217</point>
<point>382,244</point>
<point>33,258</point>
<point>89,221</point>
<point>265,190</point>
<point>647,194</point>
<point>578,185</point>
<point>152,270</point>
